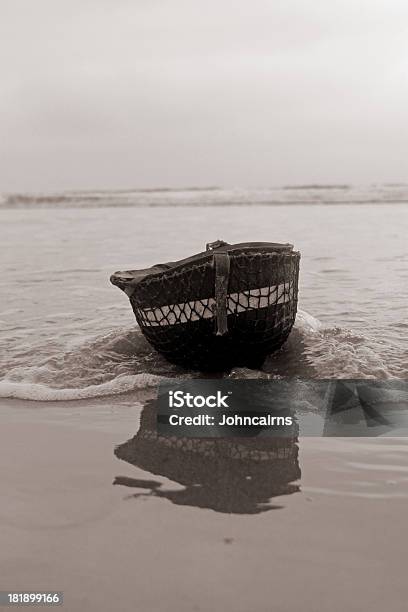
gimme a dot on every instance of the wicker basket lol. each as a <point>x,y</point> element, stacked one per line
<point>228,306</point>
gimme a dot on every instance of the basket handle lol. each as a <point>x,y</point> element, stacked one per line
<point>222,270</point>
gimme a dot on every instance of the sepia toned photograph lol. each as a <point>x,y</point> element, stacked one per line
<point>203,305</point>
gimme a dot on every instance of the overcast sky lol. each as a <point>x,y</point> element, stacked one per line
<point>142,93</point>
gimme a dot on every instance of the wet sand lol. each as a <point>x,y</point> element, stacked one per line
<point>338,544</point>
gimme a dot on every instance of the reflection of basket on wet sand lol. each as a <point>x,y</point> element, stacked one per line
<point>231,305</point>
<point>238,475</point>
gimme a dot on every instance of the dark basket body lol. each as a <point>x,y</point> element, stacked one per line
<point>176,308</point>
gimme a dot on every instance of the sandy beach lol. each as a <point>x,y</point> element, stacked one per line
<point>336,544</point>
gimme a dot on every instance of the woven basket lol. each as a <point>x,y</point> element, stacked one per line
<point>228,306</point>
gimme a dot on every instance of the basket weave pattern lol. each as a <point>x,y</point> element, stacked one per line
<point>176,309</point>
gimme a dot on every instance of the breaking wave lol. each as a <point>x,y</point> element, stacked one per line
<point>109,364</point>
<point>122,361</point>
<point>211,196</point>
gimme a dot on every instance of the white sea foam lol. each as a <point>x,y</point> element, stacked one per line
<point>305,322</point>
<point>44,393</point>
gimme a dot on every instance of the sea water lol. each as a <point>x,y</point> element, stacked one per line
<point>67,333</point>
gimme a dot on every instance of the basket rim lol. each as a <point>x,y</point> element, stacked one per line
<point>134,277</point>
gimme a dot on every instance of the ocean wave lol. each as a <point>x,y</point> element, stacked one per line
<point>211,196</point>
<point>318,352</point>
<point>122,361</point>
<point>107,364</point>
<point>44,393</point>
<point>317,186</point>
